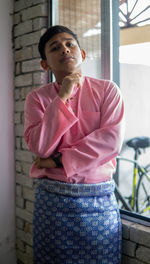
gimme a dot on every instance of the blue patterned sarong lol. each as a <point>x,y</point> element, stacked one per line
<point>76,224</point>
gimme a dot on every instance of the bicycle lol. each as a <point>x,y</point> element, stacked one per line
<point>139,199</point>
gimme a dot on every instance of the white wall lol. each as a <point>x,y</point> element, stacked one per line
<point>135,87</point>
<point>7,183</point>
<point>92,67</point>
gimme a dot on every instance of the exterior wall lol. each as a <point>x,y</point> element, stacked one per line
<point>30,21</point>
<point>7,184</point>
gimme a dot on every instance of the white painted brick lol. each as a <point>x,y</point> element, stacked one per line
<point>30,39</point>
<point>19,106</point>
<point>26,168</point>
<point>20,202</point>
<point>24,144</point>
<point>17,18</point>
<point>26,237</point>
<point>39,23</point>
<point>19,223</point>
<point>23,54</point>
<point>19,130</point>
<point>21,257</point>
<point>17,68</point>
<point>24,155</point>
<point>24,214</point>
<point>18,190</point>
<point>31,65</point>
<point>25,91</point>
<point>21,245</point>
<point>17,43</point>
<point>28,194</point>
<point>35,2</point>
<point>18,166</point>
<point>30,15</point>
<point>35,11</point>
<point>28,228</point>
<point>17,94</point>
<point>35,51</point>
<point>22,4</point>
<point>24,258</point>
<point>22,118</point>
<point>18,142</point>
<point>23,28</point>
<point>29,207</point>
<point>17,118</point>
<point>29,251</point>
<point>23,80</point>
<point>24,180</point>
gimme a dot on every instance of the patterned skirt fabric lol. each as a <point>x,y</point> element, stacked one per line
<point>76,224</point>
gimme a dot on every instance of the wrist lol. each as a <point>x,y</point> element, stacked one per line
<point>64,99</point>
<point>58,160</point>
<point>63,96</point>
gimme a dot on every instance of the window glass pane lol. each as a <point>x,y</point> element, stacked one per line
<point>134,84</point>
<point>83,17</point>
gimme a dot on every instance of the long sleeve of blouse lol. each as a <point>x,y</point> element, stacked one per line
<point>45,126</point>
<point>88,130</point>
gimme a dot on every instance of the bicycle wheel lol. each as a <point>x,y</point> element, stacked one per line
<point>143,193</point>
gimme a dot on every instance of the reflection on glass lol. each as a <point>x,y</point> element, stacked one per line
<point>83,17</point>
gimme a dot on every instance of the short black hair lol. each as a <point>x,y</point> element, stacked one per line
<point>49,34</point>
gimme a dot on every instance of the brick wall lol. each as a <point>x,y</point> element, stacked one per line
<point>136,243</point>
<point>30,21</point>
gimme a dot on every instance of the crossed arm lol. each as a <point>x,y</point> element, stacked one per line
<point>48,163</point>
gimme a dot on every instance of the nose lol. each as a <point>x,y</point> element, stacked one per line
<point>65,50</point>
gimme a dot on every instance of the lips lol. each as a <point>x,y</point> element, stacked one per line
<point>66,58</point>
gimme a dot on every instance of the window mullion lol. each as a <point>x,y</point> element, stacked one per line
<point>106,41</point>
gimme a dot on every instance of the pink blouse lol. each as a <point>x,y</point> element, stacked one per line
<point>87,130</point>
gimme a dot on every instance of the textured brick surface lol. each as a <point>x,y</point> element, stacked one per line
<point>126,229</point>
<point>24,180</point>
<point>23,80</point>
<point>128,248</point>
<point>143,254</point>
<point>136,243</point>
<point>129,260</point>
<point>23,28</point>
<point>140,234</point>
<point>23,54</point>
<point>31,65</point>
<point>34,12</point>
<point>30,22</point>
<point>24,214</point>
<point>29,39</point>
